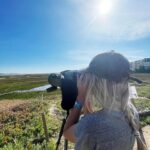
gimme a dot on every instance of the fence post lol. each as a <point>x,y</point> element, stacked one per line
<point>45,127</point>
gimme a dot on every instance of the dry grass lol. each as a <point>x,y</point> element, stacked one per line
<point>12,105</point>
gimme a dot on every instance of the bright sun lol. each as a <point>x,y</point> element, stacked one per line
<point>105,7</point>
<point>102,11</point>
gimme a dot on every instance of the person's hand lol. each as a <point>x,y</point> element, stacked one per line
<point>82,85</point>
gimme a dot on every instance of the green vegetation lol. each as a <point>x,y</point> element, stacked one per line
<point>27,95</point>
<point>144,88</point>
<point>21,126</point>
<point>21,82</point>
<point>143,91</point>
<point>143,104</point>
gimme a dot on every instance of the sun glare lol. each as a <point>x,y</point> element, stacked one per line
<point>102,12</point>
<point>105,7</point>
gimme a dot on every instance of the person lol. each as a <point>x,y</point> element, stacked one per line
<point>111,121</point>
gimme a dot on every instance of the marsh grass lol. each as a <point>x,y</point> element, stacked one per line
<point>144,90</point>
<point>142,104</point>
<point>27,95</point>
<point>21,82</point>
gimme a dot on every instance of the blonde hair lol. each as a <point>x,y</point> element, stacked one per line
<point>102,93</point>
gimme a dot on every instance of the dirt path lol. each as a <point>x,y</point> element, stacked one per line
<point>52,110</point>
<point>146,132</point>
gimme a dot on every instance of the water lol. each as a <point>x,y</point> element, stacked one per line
<point>37,89</point>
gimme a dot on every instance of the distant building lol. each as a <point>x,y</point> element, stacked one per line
<point>141,65</point>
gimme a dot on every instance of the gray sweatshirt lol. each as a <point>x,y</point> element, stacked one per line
<point>104,130</point>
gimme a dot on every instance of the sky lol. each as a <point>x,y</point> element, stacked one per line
<point>44,36</point>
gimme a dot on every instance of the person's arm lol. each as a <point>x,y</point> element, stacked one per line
<point>69,128</point>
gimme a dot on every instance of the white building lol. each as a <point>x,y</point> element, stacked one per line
<point>144,63</point>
